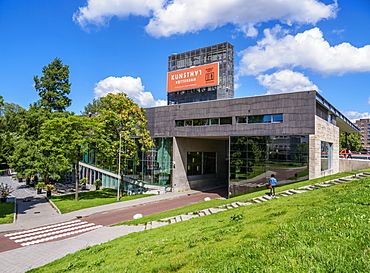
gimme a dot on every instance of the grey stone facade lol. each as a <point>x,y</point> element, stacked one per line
<point>303,114</point>
<point>298,110</point>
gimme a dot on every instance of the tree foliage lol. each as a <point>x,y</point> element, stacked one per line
<point>53,87</point>
<point>122,117</point>
<point>11,124</point>
<point>350,141</point>
<point>96,106</point>
<point>63,140</point>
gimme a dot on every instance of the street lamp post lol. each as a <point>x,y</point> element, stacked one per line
<point>119,166</point>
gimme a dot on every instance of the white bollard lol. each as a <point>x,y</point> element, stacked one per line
<point>207,199</point>
<point>137,216</point>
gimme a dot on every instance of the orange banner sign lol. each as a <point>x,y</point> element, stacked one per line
<point>195,77</point>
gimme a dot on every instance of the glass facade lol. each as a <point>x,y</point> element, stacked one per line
<point>253,159</point>
<point>201,163</point>
<point>152,166</point>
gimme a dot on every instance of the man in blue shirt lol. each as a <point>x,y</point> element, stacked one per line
<point>272,183</point>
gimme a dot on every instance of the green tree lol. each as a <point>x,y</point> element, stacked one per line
<point>350,141</point>
<point>26,157</point>
<point>64,140</point>
<point>53,87</point>
<point>11,124</point>
<point>122,118</point>
<point>96,106</point>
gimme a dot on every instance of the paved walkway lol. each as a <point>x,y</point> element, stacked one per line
<point>35,211</point>
<point>51,251</point>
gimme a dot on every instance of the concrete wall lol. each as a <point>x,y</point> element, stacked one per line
<point>326,132</point>
<point>181,146</point>
<point>347,165</point>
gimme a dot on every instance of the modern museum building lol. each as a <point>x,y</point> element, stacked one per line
<point>205,138</point>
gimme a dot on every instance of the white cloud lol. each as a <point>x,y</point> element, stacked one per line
<point>308,50</point>
<point>368,101</point>
<point>133,87</point>
<point>286,81</point>
<point>354,115</point>
<point>169,17</point>
<point>98,12</point>
<point>182,16</point>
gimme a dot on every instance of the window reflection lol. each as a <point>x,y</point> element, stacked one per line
<point>254,159</point>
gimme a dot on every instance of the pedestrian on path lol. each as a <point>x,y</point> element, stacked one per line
<point>272,185</point>
<point>349,154</point>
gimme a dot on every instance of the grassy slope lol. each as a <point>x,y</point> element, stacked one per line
<point>325,230</point>
<point>6,213</point>
<point>218,202</point>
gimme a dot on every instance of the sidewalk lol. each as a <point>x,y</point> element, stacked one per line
<point>37,211</point>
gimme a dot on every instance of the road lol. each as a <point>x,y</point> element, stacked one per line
<point>74,227</point>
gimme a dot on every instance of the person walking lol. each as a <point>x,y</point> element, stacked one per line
<point>349,154</point>
<point>272,185</point>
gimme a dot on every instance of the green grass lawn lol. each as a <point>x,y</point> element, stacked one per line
<point>6,213</point>
<point>66,203</point>
<point>218,202</point>
<point>324,230</point>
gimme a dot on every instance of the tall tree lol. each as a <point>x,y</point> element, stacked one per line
<point>123,119</point>
<point>124,123</point>
<point>64,140</point>
<point>53,87</point>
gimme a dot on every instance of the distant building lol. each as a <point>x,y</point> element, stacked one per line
<point>364,126</point>
<point>201,74</point>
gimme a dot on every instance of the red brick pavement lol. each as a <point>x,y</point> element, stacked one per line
<point>121,215</point>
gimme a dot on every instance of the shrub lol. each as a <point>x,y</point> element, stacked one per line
<point>40,185</point>
<point>98,184</point>
<point>49,187</point>
<point>5,190</point>
<point>83,180</point>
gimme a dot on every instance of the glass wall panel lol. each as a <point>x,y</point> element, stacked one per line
<point>199,163</point>
<point>254,159</point>
<point>226,120</point>
<point>152,166</point>
<point>326,156</point>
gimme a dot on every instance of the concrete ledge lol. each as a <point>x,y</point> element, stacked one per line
<point>347,165</point>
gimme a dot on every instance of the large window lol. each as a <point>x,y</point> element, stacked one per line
<point>254,158</point>
<point>326,156</point>
<point>201,163</point>
<point>260,119</point>
<point>204,122</point>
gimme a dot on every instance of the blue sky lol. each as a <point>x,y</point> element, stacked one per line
<point>123,45</point>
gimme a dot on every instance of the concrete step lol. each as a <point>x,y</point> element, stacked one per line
<point>244,204</point>
<point>215,210</point>
<point>297,191</point>
<point>262,198</point>
<point>322,184</point>
<point>205,212</point>
<point>235,205</point>
<point>309,187</point>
